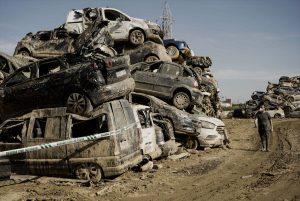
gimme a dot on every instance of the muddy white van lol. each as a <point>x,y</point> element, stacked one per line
<point>90,160</point>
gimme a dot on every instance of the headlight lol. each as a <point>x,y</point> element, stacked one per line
<point>196,84</point>
<point>208,125</point>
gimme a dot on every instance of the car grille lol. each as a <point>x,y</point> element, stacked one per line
<point>221,130</point>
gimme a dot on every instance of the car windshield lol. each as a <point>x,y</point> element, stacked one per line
<point>170,69</point>
<point>113,15</point>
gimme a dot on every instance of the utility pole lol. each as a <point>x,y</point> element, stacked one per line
<point>167,21</point>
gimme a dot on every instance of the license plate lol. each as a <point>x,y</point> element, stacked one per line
<point>121,73</point>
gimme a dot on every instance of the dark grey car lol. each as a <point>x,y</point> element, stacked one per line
<point>168,81</point>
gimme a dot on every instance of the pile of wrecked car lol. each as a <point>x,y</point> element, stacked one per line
<point>100,72</point>
<point>280,100</point>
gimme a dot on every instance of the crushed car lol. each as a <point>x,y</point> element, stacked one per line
<point>122,27</point>
<point>9,64</point>
<point>87,160</point>
<point>67,81</point>
<point>165,80</point>
<point>193,130</point>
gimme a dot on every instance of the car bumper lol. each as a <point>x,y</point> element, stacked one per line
<point>112,91</point>
<point>210,138</point>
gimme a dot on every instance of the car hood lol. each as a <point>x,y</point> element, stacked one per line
<point>140,22</point>
<point>213,120</point>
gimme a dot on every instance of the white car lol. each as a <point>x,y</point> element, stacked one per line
<point>121,26</point>
<point>212,132</point>
<point>276,113</point>
<point>146,128</point>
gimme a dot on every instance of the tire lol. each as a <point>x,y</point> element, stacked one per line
<point>24,53</point>
<point>277,116</point>
<point>170,128</point>
<point>151,58</point>
<point>2,77</point>
<point>173,52</point>
<point>137,37</point>
<point>198,70</point>
<point>191,143</point>
<point>181,100</point>
<point>90,172</point>
<point>291,99</point>
<point>78,103</point>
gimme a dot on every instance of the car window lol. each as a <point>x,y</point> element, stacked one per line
<point>44,36</point>
<point>140,100</point>
<point>144,117</point>
<point>169,69</point>
<point>39,128</point>
<point>113,15</point>
<point>50,67</point>
<point>61,34</point>
<point>4,65</point>
<point>21,76</point>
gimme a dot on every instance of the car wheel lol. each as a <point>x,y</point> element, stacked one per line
<point>198,70</point>
<point>24,53</point>
<point>90,172</point>
<point>78,103</point>
<point>151,58</point>
<point>291,99</point>
<point>137,37</point>
<point>277,116</point>
<point>1,77</point>
<point>191,143</point>
<point>170,128</point>
<point>173,52</point>
<point>181,100</point>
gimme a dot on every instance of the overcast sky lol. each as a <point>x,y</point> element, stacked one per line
<point>250,42</point>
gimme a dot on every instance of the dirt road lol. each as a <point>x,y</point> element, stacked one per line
<point>240,173</point>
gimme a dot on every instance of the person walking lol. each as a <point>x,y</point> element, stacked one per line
<point>265,127</point>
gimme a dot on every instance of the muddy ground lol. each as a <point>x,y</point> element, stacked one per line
<point>240,173</point>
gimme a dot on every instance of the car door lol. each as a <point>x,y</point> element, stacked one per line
<point>42,130</point>
<point>168,78</point>
<point>119,24</point>
<point>18,96</point>
<point>145,78</point>
<point>49,83</point>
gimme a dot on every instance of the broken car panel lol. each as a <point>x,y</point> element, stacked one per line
<point>63,81</point>
<point>85,160</point>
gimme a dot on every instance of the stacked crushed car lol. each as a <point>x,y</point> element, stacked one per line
<point>280,100</point>
<point>103,72</point>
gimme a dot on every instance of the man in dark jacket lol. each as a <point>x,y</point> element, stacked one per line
<point>265,127</point>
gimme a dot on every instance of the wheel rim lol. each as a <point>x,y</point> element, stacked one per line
<point>191,143</point>
<point>198,71</point>
<point>1,77</point>
<point>172,51</point>
<point>151,58</point>
<point>76,103</point>
<point>137,37</point>
<point>91,172</point>
<point>181,100</point>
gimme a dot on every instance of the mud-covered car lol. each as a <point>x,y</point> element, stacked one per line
<point>125,28</point>
<point>257,95</point>
<point>168,81</point>
<point>67,81</point>
<point>175,47</point>
<point>148,52</point>
<point>276,113</point>
<point>9,64</point>
<point>89,160</point>
<point>192,129</point>
<point>46,44</point>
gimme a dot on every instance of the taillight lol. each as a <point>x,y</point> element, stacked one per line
<point>94,66</point>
